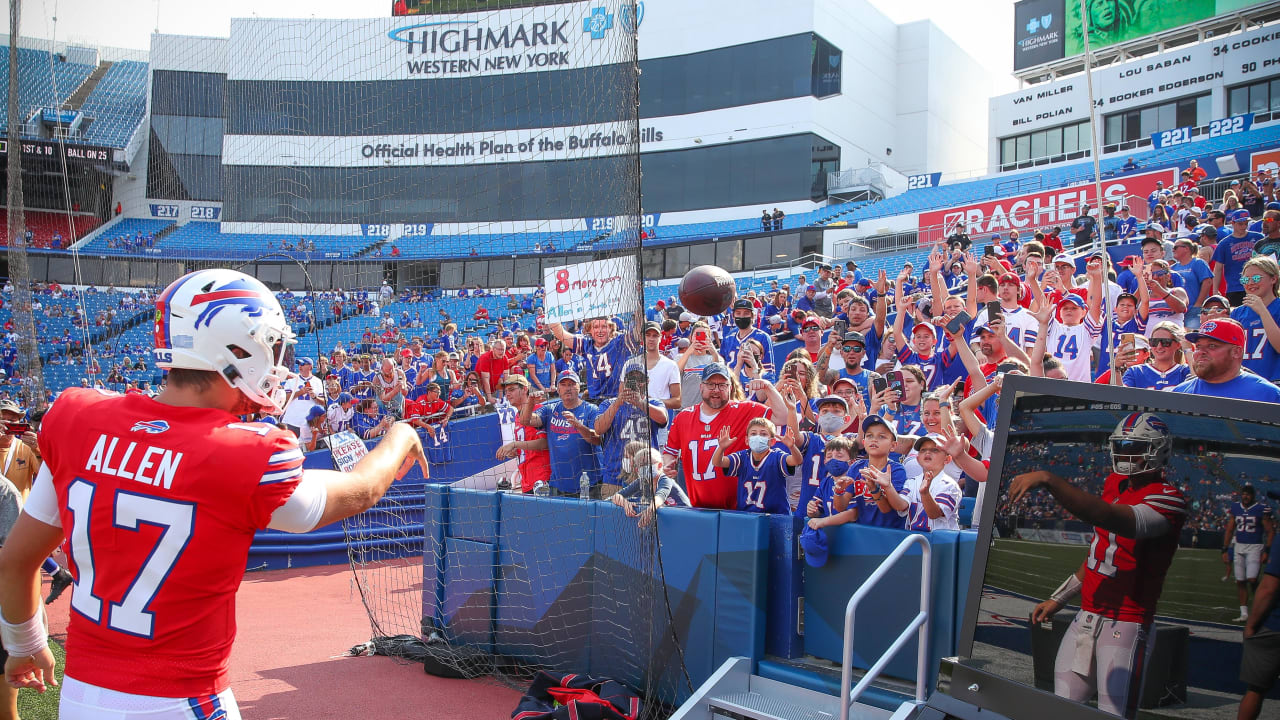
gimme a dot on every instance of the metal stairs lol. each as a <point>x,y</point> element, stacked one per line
<point>734,692</point>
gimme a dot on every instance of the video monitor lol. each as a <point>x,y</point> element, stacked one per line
<point>1100,587</point>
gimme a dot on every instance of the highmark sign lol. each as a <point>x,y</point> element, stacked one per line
<point>527,39</point>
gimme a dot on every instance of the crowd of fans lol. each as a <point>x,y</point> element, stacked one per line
<point>883,412</point>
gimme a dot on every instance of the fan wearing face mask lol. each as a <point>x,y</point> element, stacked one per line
<point>821,509</point>
<point>761,471</point>
<point>833,418</point>
<point>744,320</point>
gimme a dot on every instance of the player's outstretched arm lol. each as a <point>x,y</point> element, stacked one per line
<point>1087,507</point>
<point>351,493</point>
<point>30,663</point>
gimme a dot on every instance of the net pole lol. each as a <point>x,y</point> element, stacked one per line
<point>1108,337</point>
<point>32,388</point>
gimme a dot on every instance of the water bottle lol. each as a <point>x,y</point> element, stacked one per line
<point>584,486</point>
<point>541,489</point>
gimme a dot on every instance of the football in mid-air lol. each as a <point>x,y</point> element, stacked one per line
<point>707,290</point>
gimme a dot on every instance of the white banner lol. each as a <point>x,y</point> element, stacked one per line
<point>500,146</point>
<point>347,449</point>
<point>593,289</point>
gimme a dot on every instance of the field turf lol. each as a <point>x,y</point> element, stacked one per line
<point>35,706</point>
<point>1193,588</point>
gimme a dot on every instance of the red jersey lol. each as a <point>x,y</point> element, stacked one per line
<point>1123,577</point>
<point>534,465</point>
<point>495,366</point>
<point>159,505</point>
<point>430,411</point>
<point>695,441</point>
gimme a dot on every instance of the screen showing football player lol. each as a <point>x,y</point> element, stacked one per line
<point>1252,527</point>
<point>159,500</point>
<point>1137,521</point>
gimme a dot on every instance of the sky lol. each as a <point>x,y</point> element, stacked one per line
<point>984,28</point>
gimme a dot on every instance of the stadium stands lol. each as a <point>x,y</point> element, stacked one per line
<point>117,104</point>
<point>44,225</point>
<point>37,86</point>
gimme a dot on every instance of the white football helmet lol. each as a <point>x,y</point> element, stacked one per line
<point>1140,443</point>
<point>229,323</point>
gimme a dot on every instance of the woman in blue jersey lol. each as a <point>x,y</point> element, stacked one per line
<point>1259,315</point>
<point>1165,367</point>
<point>904,408</point>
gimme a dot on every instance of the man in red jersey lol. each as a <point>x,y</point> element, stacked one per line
<point>695,435</point>
<point>533,460</point>
<point>159,500</point>
<point>1136,521</point>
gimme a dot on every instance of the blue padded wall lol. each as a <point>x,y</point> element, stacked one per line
<point>544,590</point>
<point>435,505</point>
<point>468,602</point>
<point>786,580</point>
<point>688,567</point>
<point>966,546</point>
<point>855,552</point>
<point>473,515</point>
<point>742,562</point>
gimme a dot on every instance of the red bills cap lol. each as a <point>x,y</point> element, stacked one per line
<point>1224,330</point>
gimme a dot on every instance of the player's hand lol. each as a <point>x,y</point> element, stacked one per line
<point>1026,482</point>
<point>34,672</point>
<point>1045,611</point>
<point>413,455</point>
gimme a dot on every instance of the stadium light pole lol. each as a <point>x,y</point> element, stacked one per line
<point>1108,337</point>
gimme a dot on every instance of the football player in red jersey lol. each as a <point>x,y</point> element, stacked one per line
<point>1136,521</point>
<point>159,500</point>
<point>695,435</point>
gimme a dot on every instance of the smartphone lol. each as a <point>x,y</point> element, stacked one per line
<point>958,323</point>
<point>1003,368</point>
<point>994,310</point>
<point>840,328</point>
<point>16,428</point>
<point>878,383</point>
<point>896,381</point>
<point>1126,338</point>
<point>989,251</point>
<point>701,336</point>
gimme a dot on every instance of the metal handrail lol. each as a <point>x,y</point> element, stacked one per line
<point>920,623</point>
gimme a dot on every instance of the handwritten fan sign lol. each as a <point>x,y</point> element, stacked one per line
<point>347,449</point>
<point>593,289</point>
